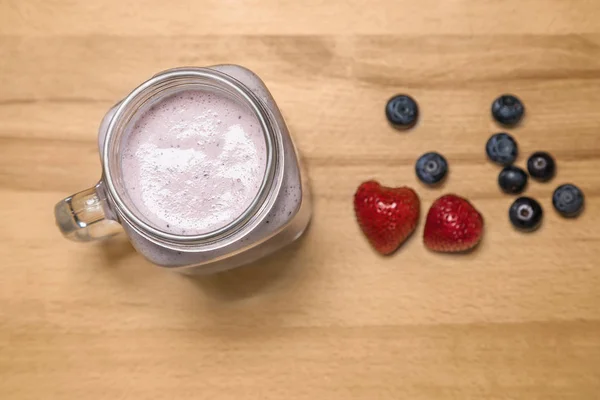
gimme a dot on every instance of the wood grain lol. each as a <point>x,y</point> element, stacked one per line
<point>327,318</point>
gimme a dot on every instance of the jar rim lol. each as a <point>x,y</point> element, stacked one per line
<point>151,89</point>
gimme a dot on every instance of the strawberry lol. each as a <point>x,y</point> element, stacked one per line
<point>452,225</point>
<point>387,216</point>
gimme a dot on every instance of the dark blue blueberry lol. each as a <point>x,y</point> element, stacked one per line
<point>525,214</point>
<point>431,168</point>
<point>512,180</point>
<point>502,149</point>
<point>541,166</point>
<point>508,109</point>
<point>568,200</point>
<point>402,111</point>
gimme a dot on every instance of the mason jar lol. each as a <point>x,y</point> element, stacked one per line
<point>277,214</point>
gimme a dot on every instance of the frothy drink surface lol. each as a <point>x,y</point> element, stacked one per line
<point>193,162</point>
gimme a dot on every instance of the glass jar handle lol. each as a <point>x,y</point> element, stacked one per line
<point>81,217</point>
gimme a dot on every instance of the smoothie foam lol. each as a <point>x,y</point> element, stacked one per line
<point>193,162</point>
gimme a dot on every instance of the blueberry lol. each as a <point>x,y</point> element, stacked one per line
<point>525,214</point>
<point>541,166</point>
<point>508,110</point>
<point>402,111</point>
<point>568,200</point>
<point>431,168</point>
<point>512,180</point>
<point>502,149</point>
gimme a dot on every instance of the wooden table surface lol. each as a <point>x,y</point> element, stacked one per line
<point>327,318</point>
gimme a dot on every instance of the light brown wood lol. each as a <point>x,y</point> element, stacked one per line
<point>327,318</point>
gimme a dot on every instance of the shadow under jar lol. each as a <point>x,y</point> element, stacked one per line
<point>199,170</point>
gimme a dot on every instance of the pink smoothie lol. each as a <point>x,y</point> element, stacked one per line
<point>193,162</point>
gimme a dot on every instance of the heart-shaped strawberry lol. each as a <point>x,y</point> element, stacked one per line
<point>452,225</point>
<point>387,216</point>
